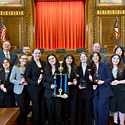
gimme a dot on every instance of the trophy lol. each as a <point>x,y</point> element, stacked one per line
<point>97,77</point>
<point>83,83</point>
<point>61,81</point>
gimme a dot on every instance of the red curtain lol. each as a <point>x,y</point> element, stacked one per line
<point>60,24</point>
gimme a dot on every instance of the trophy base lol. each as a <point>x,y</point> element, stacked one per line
<point>55,95</point>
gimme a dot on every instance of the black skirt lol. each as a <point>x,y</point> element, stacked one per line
<point>118,100</point>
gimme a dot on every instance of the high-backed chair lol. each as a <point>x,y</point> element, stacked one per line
<point>18,50</point>
<point>60,50</point>
<point>42,50</point>
<point>79,50</point>
<point>103,50</point>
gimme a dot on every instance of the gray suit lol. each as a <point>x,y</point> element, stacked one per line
<point>103,58</point>
<point>15,78</point>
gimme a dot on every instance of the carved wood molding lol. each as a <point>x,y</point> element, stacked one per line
<point>110,12</point>
<point>91,23</point>
<point>27,22</point>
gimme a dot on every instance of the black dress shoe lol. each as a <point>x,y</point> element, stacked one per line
<point>114,123</point>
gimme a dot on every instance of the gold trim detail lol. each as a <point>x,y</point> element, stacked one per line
<point>12,13</point>
<point>110,12</point>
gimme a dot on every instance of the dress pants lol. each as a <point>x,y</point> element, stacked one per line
<point>101,110</point>
<point>23,101</point>
<point>72,102</point>
<point>54,106</point>
<point>38,107</point>
<point>88,111</point>
<point>7,103</point>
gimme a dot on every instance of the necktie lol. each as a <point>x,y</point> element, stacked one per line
<point>7,56</point>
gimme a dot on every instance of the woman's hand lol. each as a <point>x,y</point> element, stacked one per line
<point>64,96</point>
<point>94,87</point>
<point>53,86</point>
<point>70,83</point>
<point>3,88</point>
<point>74,81</point>
<point>40,79</point>
<point>25,83</point>
<point>100,82</point>
<point>22,81</point>
<point>115,82</point>
<point>90,78</point>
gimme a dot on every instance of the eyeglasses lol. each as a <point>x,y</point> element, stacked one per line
<point>5,62</point>
<point>24,58</point>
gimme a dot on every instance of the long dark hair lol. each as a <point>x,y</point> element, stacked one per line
<point>120,64</point>
<point>92,62</point>
<point>73,65</point>
<point>8,60</point>
<point>48,67</point>
<point>121,49</point>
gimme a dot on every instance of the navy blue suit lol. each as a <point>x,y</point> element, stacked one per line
<point>13,57</point>
<point>102,95</point>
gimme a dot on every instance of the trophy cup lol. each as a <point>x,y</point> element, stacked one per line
<point>61,81</point>
<point>83,83</point>
<point>97,77</point>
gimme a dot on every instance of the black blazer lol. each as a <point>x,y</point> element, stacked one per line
<point>47,82</point>
<point>32,73</point>
<point>73,89</point>
<point>86,93</point>
<point>121,77</point>
<point>7,85</point>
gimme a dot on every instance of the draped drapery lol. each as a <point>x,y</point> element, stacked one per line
<point>60,24</point>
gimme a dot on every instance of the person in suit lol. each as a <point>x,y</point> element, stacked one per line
<point>102,89</point>
<point>6,87</point>
<point>96,47</point>
<point>72,71</point>
<point>85,94</point>
<point>33,76</point>
<point>119,50</point>
<point>20,88</point>
<point>26,50</point>
<point>6,54</point>
<point>54,104</point>
<point>118,86</point>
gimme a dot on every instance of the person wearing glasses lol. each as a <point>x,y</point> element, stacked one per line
<point>20,88</point>
<point>6,87</point>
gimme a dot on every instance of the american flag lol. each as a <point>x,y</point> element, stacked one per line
<point>3,31</point>
<point>116,29</point>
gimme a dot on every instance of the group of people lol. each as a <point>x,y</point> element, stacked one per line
<point>22,80</point>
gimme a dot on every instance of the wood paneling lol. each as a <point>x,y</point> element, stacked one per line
<point>105,34</point>
<point>13,33</point>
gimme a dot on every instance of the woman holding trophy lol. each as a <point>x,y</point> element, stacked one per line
<point>102,89</point>
<point>54,104</point>
<point>85,90</point>
<point>118,86</point>
<point>72,71</point>
<point>6,87</point>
